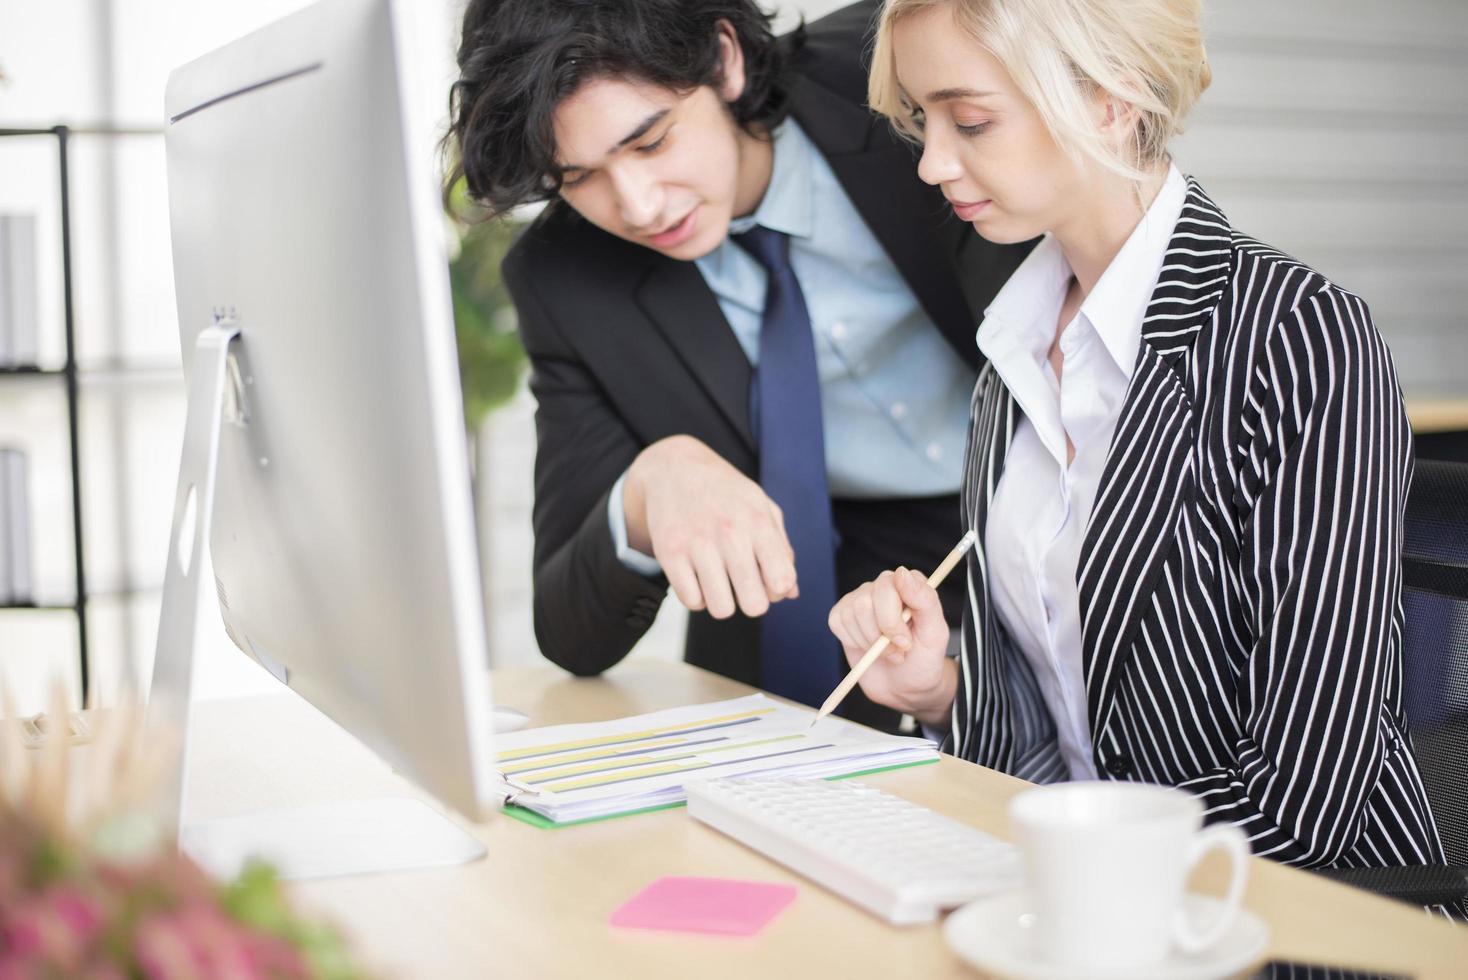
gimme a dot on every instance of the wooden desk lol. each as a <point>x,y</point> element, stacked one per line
<point>1429,415</point>
<point>538,905</point>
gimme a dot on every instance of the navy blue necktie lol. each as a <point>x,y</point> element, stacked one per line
<point>799,657</point>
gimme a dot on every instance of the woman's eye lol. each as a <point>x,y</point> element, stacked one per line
<point>581,177</point>
<point>973,130</point>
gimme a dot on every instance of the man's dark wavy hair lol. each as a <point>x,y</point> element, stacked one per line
<point>519,58</point>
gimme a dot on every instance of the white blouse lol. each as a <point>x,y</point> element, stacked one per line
<point>1038,518</point>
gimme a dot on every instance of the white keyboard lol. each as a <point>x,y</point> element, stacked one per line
<point>898,860</point>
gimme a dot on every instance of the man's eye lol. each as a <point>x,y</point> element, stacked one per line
<point>655,145</point>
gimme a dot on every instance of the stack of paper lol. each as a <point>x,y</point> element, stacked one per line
<point>571,773</point>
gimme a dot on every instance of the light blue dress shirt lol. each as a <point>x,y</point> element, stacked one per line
<point>894,393</point>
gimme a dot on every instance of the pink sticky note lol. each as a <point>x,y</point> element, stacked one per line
<point>717,905</point>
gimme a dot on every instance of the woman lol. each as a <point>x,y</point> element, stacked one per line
<point>1188,455</point>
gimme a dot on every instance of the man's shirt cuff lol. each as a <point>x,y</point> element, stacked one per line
<point>630,557</point>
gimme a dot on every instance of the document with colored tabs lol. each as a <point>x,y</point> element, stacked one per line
<point>573,773</point>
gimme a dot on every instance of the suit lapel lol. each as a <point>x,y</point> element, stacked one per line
<point>1149,468</point>
<point>983,712</point>
<point>685,311</point>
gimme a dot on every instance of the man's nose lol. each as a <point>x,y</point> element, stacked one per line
<point>639,197</point>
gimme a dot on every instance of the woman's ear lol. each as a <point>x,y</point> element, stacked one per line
<point>1113,115</point>
<point>1115,118</point>
<point>731,63</point>
<point>1107,111</point>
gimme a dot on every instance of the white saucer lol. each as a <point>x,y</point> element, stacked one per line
<point>993,934</point>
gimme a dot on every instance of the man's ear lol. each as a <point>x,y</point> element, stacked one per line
<point>731,63</point>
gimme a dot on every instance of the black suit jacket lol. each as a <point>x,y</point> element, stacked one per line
<point>628,346</point>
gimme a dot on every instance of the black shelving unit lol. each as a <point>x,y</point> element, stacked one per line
<point>68,375</point>
<point>30,371</point>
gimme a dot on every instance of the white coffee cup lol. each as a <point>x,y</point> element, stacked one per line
<point>1106,865</point>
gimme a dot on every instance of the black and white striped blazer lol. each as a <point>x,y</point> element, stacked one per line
<point>1240,580</point>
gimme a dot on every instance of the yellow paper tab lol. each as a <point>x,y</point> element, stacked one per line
<point>616,763</point>
<point>587,743</point>
<point>623,775</point>
<point>590,755</point>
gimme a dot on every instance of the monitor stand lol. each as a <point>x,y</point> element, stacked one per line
<point>349,837</point>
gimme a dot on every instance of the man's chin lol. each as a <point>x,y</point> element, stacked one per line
<point>708,233</point>
<point>692,250</point>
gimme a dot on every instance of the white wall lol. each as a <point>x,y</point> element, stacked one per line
<point>1335,129</point>
<point>94,63</point>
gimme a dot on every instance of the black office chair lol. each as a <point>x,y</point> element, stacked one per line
<point>1435,672</point>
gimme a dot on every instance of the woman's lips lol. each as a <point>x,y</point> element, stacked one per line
<point>968,210</point>
<point>676,235</point>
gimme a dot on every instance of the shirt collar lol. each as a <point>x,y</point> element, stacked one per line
<point>1118,302</point>
<point>1022,316</point>
<point>788,204</point>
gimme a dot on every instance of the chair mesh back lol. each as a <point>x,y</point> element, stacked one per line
<point>1435,654</point>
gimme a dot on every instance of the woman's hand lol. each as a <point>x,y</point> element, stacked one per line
<point>914,675</point>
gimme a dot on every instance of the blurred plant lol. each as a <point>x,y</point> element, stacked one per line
<point>85,890</point>
<point>491,357</point>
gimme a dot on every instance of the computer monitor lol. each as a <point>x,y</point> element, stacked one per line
<point>305,216</point>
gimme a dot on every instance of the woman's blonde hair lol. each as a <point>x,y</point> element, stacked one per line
<point>1147,56</point>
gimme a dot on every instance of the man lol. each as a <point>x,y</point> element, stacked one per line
<point>751,327</point>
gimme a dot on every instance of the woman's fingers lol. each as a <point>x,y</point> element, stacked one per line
<point>888,608</point>
<point>899,605</point>
<point>929,627</point>
<point>864,613</point>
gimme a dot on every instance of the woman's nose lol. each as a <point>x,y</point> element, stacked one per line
<point>939,165</point>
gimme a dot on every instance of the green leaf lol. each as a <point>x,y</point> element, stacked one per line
<point>491,357</point>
